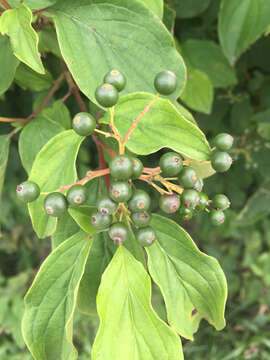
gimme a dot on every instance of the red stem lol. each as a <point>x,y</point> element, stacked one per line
<point>6,4</point>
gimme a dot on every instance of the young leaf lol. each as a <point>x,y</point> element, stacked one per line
<point>50,302</point>
<point>117,35</point>
<point>8,64</point>
<point>162,126</point>
<point>192,283</point>
<point>129,328</point>
<point>82,215</point>
<point>66,227</point>
<point>240,24</point>
<point>57,169</point>
<point>4,150</point>
<point>16,23</point>
<point>198,93</point>
<point>155,5</point>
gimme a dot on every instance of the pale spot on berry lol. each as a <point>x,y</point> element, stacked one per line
<point>93,219</point>
<point>19,188</point>
<point>114,72</point>
<point>140,204</point>
<point>78,200</point>
<point>76,120</point>
<point>104,211</point>
<point>106,86</point>
<point>49,210</point>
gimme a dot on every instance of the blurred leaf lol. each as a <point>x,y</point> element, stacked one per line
<point>48,41</point>
<point>27,78</point>
<point>8,64</point>
<point>169,18</point>
<point>4,151</point>
<point>191,8</point>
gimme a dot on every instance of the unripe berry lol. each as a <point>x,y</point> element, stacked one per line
<point>118,232</point>
<point>170,164</point>
<point>121,167</point>
<point>190,198</point>
<point>169,203</point>
<point>223,141</point>
<point>120,191</point>
<point>187,177</point>
<point>221,202</point>
<point>165,82</point>
<point>146,236</point>
<point>83,124</point>
<point>115,78</point>
<point>106,95</point>
<point>221,161</point>
<point>77,195</point>
<point>101,222</point>
<point>185,213</point>
<point>28,191</point>
<point>141,219</point>
<point>203,201</point>
<point>55,204</point>
<point>217,217</point>
<point>137,168</point>
<point>106,206</point>
<point>140,201</point>
<point>198,185</point>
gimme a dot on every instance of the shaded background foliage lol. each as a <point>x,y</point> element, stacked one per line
<point>224,95</point>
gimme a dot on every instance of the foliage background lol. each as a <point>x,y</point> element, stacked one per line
<point>235,99</point>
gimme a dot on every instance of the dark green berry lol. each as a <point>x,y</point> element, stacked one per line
<point>221,161</point>
<point>106,95</point>
<point>187,177</point>
<point>217,217</point>
<point>118,232</point>
<point>28,191</point>
<point>55,204</point>
<point>203,201</point>
<point>120,191</point>
<point>141,219</point>
<point>140,201</point>
<point>165,82</point>
<point>185,213</point>
<point>115,78</point>
<point>137,168</point>
<point>121,167</point>
<point>198,185</point>
<point>223,141</point>
<point>169,203</point>
<point>77,195</point>
<point>146,236</point>
<point>221,202</point>
<point>106,206</point>
<point>100,221</point>
<point>171,164</point>
<point>84,124</point>
<point>190,198</point>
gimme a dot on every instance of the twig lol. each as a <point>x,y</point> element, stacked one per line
<point>110,151</point>
<point>65,97</point>
<point>6,4</point>
<point>37,12</point>
<point>9,120</point>
<point>13,132</point>
<point>74,89</point>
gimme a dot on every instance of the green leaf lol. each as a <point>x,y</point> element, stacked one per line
<point>33,4</point>
<point>184,112</point>
<point>129,328</point>
<point>192,283</point>
<point>117,35</point>
<point>48,41</point>
<point>52,168</point>
<point>50,302</point>
<point>257,206</point>
<point>26,78</point>
<point>207,56</point>
<point>101,253</point>
<point>4,150</point>
<point>58,113</point>
<point>162,126</point>
<point>66,227</point>
<point>191,8</point>
<point>155,5</point>
<point>198,93</point>
<point>169,18</point>
<point>82,215</point>
<point>16,23</point>
<point>203,168</point>
<point>8,64</point>
<point>241,23</point>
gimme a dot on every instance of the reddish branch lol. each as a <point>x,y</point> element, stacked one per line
<point>6,4</point>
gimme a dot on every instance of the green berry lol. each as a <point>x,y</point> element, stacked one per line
<point>145,236</point>
<point>120,191</point>
<point>171,164</point>
<point>187,177</point>
<point>217,217</point>
<point>118,232</point>
<point>106,95</point>
<point>185,213</point>
<point>28,191</point>
<point>223,141</point>
<point>221,161</point>
<point>141,219</point>
<point>198,185</point>
<point>121,167</point>
<point>77,195</point>
<point>190,198</point>
<point>140,201</point>
<point>137,168</point>
<point>83,124</point>
<point>115,78</point>
<point>203,201</point>
<point>221,202</point>
<point>165,82</point>
<point>169,203</point>
<point>106,206</point>
<point>55,204</point>
<point>100,221</point>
